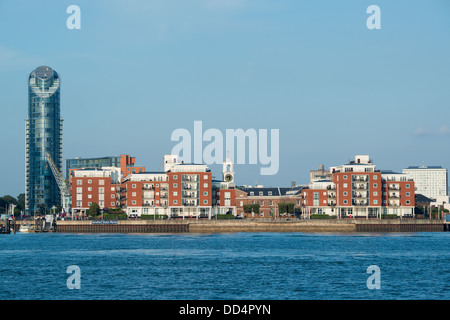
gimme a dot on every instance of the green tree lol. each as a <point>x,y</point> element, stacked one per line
<point>287,207</point>
<point>249,207</point>
<point>21,201</point>
<point>94,209</point>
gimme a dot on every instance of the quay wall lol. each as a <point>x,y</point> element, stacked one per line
<point>230,226</point>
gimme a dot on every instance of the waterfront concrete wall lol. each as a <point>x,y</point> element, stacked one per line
<point>227,226</point>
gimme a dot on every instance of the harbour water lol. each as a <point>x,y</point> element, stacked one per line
<point>238,266</point>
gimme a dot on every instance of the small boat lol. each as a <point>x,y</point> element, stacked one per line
<point>23,228</point>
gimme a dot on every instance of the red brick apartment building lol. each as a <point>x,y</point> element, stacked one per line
<point>358,189</point>
<point>189,191</point>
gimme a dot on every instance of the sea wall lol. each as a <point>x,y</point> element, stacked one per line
<point>226,226</point>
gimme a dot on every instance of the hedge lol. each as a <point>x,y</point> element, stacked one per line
<point>321,216</point>
<point>113,216</point>
<point>152,217</point>
<point>225,216</point>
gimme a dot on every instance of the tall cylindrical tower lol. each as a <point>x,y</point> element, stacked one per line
<point>43,135</point>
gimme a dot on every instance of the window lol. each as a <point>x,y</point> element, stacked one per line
<point>101,182</point>
<point>133,194</point>
<point>112,204</point>
<point>407,201</point>
<point>345,185</point>
<point>175,193</point>
<point>252,193</point>
<point>175,177</point>
<point>205,201</point>
<point>375,185</point>
<point>205,193</point>
<point>79,182</point>
<point>271,203</point>
<point>345,201</point>
<point>345,193</point>
<point>113,196</point>
<point>407,186</point>
<point>375,201</point>
<point>345,177</point>
<point>269,193</point>
<point>375,193</point>
<point>133,186</point>
<point>89,181</point>
<point>89,196</point>
<point>407,194</point>
<point>101,190</point>
<point>175,201</point>
<point>205,185</point>
<point>315,198</point>
<point>79,190</point>
<point>175,185</point>
<point>261,203</point>
<point>324,193</point>
<point>261,193</point>
<point>112,188</point>
<point>205,176</point>
<point>89,188</point>
<point>133,202</point>
<point>242,203</point>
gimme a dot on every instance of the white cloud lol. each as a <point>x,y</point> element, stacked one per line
<point>444,130</point>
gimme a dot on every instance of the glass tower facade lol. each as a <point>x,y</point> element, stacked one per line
<point>43,135</point>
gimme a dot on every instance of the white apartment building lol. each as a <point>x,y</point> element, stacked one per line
<point>430,181</point>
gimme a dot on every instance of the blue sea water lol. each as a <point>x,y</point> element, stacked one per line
<point>232,266</point>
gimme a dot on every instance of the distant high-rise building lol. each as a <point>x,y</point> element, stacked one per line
<point>320,174</point>
<point>43,135</point>
<point>91,163</point>
<point>430,181</point>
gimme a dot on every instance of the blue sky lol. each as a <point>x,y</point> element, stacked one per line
<point>138,70</point>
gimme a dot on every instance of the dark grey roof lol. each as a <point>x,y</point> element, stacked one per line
<point>271,191</point>
<point>421,198</point>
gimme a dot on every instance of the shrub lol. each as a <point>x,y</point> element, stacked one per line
<point>153,217</point>
<point>225,216</point>
<point>320,216</point>
<point>115,216</point>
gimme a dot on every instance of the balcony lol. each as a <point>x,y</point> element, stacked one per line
<point>360,195</point>
<point>360,203</point>
<point>362,179</point>
<point>393,187</point>
<point>360,186</point>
